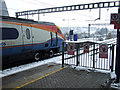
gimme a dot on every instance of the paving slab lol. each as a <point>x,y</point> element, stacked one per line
<point>23,77</point>
<point>70,78</point>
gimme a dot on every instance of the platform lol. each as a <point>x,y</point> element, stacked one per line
<point>55,77</point>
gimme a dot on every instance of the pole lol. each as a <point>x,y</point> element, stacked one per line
<point>117,67</point>
<point>68,24</point>
<point>38,17</point>
<point>112,58</point>
<point>63,54</point>
<point>16,15</point>
<point>93,55</point>
<point>88,30</point>
<point>77,54</point>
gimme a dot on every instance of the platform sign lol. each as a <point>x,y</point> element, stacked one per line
<point>103,51</point>
<point>86,47</point>
<point>70,49</point>
<point>114,18</point>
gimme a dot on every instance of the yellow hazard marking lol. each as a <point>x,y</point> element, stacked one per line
<point>38,78</point>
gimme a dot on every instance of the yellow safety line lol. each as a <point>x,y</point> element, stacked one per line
<point>38,78</point>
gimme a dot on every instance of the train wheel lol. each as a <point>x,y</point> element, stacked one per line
<point>51,53</point>
<point>37,56</point>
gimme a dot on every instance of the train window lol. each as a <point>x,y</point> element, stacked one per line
<point>28,33</point>
<point>9,33</point>
<point>59,31</point>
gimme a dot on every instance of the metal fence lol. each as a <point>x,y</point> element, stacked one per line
<point>88,58</point>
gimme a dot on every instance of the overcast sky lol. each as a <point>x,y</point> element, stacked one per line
<point>72,18</point>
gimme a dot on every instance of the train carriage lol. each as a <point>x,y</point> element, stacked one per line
<point>23,39</point>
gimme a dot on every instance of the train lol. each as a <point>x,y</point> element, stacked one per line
<point>24,39</point>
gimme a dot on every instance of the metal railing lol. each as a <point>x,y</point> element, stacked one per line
<point>91,58</point>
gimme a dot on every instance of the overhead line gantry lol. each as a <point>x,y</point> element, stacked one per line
<point>69,8</point>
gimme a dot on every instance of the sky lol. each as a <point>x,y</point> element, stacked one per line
<point>62,19</point>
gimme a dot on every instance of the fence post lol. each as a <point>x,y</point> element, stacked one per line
<point>77,54</point>
<point>93,55</point>
<point>112,58</point>
<point>63,54</point>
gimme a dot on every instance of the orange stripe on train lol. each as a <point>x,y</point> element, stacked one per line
<point>39,26</point>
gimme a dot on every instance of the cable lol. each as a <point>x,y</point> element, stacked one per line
<point>35,3</point>
<point>82,14</point>
<point>44,3</point>
<point>63,17</point>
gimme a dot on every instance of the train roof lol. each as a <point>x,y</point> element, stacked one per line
<point>21,20</point>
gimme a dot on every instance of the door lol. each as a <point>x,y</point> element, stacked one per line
<point>54,39</point>
<point>27,38</point>
<point>51,39</point>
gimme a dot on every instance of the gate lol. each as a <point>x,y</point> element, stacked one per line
<point>87,54</point>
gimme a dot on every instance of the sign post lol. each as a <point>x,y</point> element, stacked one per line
<point>115,19</point>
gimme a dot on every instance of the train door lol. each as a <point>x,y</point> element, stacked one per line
<point>27,38</point>
<point>51,38</point>
<point>54,39</point>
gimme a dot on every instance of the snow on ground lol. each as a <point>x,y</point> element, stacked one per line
<point>29,66</point>
<point>80,68</point>
<point>115,85</point>
<point>113,40</point>
<point>113,75</point>
<point>88,69</point>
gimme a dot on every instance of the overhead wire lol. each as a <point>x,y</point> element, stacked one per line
<point>40,3</point>
<point>53,5</point>
<point>46,4</point>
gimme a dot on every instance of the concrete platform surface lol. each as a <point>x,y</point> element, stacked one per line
<point>71,78</point>
<point>55,77</point>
